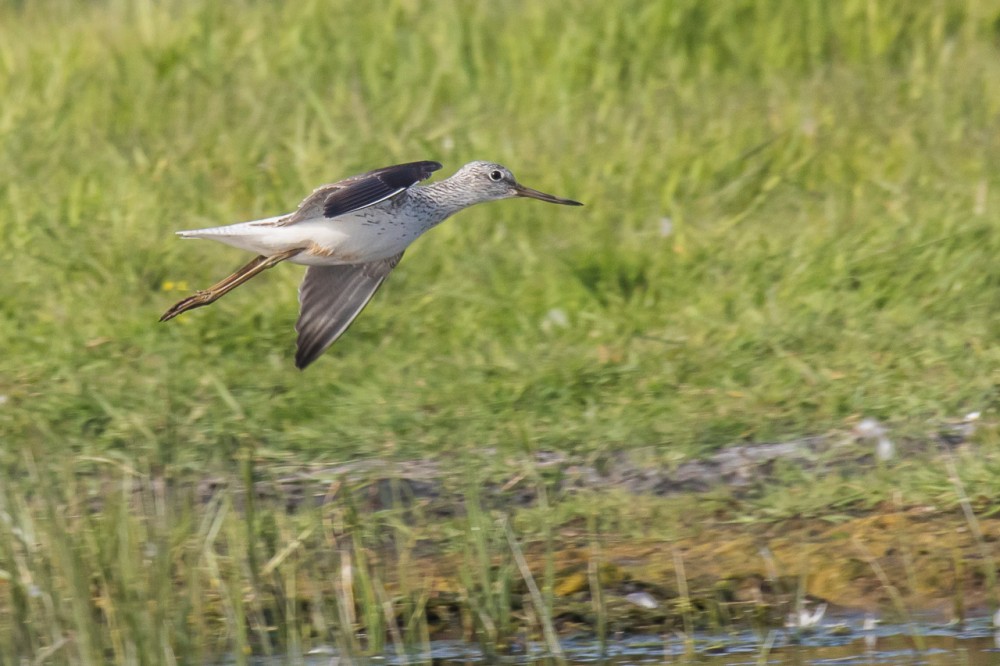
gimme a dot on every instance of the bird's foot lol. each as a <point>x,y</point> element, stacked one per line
<point>195,300</point>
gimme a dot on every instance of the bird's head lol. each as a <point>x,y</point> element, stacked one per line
<point>491,181</point>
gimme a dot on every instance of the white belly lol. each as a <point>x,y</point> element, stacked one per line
<point>349,239</point>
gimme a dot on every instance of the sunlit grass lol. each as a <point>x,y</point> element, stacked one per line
<point>830,197</point>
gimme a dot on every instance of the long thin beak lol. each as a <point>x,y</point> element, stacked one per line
<point>523,191</point>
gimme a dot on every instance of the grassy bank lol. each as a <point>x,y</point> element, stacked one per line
<point>101,562</point>
<point>829,181</point>
<point>790,225</point>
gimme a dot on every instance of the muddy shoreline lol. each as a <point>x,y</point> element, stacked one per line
<point>717,570</point>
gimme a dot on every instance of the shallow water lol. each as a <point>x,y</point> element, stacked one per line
<point>842,641</point>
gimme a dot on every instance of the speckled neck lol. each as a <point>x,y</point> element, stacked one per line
<point>445,198</point>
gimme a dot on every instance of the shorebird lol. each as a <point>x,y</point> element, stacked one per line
<point>351,234</point>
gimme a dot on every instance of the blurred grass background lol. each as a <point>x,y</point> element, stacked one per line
<point>790,225</point>
<point>790,221</point>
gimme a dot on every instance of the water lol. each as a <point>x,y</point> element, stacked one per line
<point>842,641</point>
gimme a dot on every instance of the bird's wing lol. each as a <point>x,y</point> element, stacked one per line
<point>330,297</point>
<point>357,192</point>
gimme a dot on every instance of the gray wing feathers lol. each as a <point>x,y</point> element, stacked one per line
<point>358,192</point>
<point>330,297</point>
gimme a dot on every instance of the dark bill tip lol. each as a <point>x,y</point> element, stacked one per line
<point>529,193</point>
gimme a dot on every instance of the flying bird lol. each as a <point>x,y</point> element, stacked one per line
<point>351,234</point>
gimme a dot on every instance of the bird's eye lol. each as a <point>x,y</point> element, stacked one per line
<point>496,175</point>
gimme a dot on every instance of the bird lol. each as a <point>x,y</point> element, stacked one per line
<point>350,235</point>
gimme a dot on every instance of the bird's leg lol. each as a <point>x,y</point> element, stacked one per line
<point>219,289</point>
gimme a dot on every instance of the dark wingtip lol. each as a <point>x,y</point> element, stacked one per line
<point>304,358</point>
<point>424,167</point>
<point>428,167</point>
<point>306,354</point>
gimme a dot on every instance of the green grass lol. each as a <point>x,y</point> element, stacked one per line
<point>830,175</point>
<point>829,171</point>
